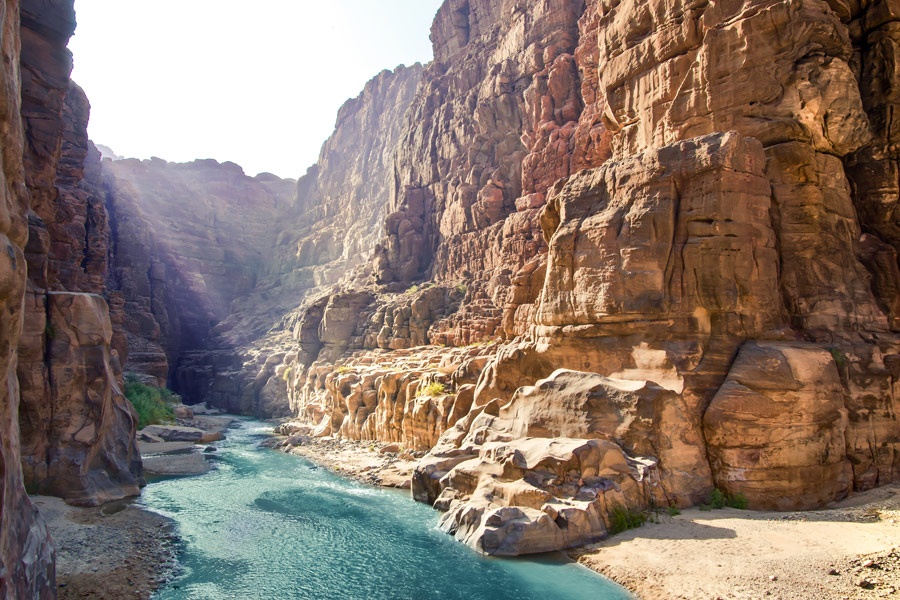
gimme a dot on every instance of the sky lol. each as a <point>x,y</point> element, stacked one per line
<point>258,82</point>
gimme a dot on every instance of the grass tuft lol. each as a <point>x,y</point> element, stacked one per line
<point>623,518</point>
<point>840,359</point>
<point>432,390</point>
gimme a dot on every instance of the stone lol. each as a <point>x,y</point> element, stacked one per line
<point>775,428</point>
<point>215,436</point>
<point>175,433</point>
<point>87,453</point>
<point>183,412</point>
<point>177,465</point>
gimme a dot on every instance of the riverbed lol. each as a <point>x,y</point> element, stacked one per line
<point>263,524</point>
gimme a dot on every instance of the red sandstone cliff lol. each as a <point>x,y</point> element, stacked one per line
<point>673,221</point>
<point>77,428</point>
<point>678,216</point>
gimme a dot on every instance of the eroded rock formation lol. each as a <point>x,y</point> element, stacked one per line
<point>673,221</point>
<point>188,240</point>
<point>26,551</point>
<point>677,219</point>
<point>78,430</point>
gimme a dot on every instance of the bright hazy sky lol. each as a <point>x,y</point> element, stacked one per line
<point>256,82</point>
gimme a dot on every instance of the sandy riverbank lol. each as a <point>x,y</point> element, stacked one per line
<point>375,463</point>
<point>723,554</point>
<point>114,552</point>
<point>742,555</point>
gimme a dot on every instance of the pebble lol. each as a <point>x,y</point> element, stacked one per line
<point>833,572</point>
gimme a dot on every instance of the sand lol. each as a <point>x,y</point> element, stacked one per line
<point>114,552</point>
<point>733,554</point>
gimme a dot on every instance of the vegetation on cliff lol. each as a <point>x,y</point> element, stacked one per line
<point>153,405</point>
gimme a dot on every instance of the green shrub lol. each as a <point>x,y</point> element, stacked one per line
<point>840,359</point>
<point>153,405</point>
<point>738,501</point>
<point>720,499</point>
<point>432,390</point>
<point>287,374</point>
<point>673,511</point>
<point>462,288</point>
<point>623,518</point>
<point>717,499</point>
<point>413,289</point>
<point>343,369</point>
<point>705,507</point>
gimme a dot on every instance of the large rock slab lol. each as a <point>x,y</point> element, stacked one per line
<point>776,427</point>
<point>175,433</point>
<point>85,452</point>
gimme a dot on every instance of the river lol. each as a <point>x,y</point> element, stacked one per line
<point>267,525</point>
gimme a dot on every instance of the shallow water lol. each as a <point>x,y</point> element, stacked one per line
<point>264,524</point>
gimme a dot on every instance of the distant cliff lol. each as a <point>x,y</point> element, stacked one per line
<point>209,260</point>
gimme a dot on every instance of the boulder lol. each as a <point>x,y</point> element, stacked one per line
<point>175,433</point>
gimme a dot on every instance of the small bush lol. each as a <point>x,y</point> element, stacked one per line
<point>462,288</point>
<point>673,511</point>
<point>343,369</point>
<point>840,359</point>
<point>413,289</point>
<point>705,507</point>
<point>717,499</point>
<point>738,501</point>
<point>432,390</point>
<point>720,499</point>
<point>153,405</point>
<point>287,374</point>
<point>623,518</point>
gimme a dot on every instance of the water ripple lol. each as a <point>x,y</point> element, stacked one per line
<point>265,525</point>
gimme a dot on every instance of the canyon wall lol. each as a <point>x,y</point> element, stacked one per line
<point>211,264</point>
<point>77,428</point>
<point>596,255</point>
<point>673,221</point>
<point>187,240</point>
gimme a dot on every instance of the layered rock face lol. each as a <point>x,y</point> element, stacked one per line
<point>26,551</point>
<point>188,239</point>
<point>78,430</point>
<point>678,217</point>
<point>208,260</point>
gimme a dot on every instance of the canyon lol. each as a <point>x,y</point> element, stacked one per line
<point>597,256</point>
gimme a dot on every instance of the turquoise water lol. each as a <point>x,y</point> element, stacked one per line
<point>267,525</point>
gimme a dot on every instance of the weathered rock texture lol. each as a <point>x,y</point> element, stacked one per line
<point>677,219</point>
<point>208,260</point>
<point>188,239</point>
<point>674,221</point>
<point>26,551</point>
<point>78,430</point>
